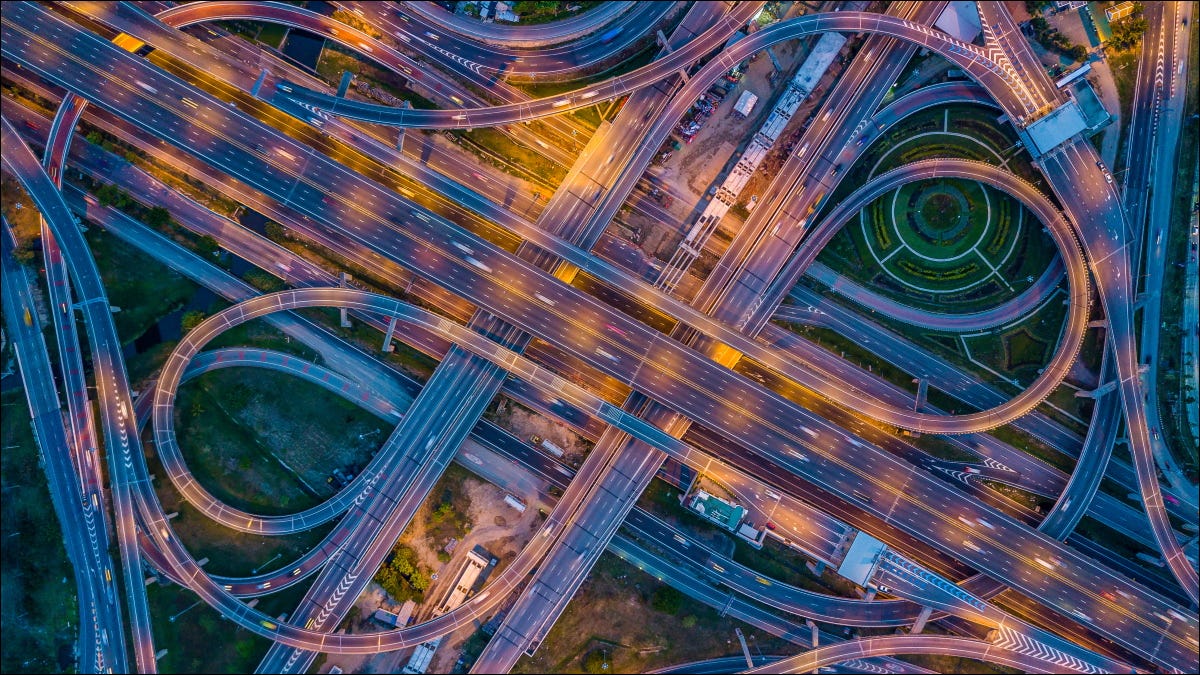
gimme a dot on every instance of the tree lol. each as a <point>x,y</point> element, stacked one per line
<point>666,600</point>
<point>158,217</point>
<point>208,245</point>
<point>275,231</point>
<point>419,581</point>
<point>191,319</point>
<point>1127,33</point>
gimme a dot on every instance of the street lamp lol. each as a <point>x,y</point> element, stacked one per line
<point>176,616</point>
<point>256,569</point>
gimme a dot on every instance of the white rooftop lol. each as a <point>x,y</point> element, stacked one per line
<point>860,561</point>
<point>1050,131</point>
<point>960,20</point>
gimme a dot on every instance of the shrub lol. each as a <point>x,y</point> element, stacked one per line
<point>666,600</point>
<point>191,319</point>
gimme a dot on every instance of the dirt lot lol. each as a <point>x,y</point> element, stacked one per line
<point>497,527</point>
<point>697,167</point>
<point>524,423</point>
<point>613,613</point>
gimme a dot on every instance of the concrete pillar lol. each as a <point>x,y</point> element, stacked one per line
<point>345,316</point>
<point>173,514</point>
<point>201,562</point>
<point>258,83</point>
<point>662,41</point>
<point>815,632</point>
<point>919,624</point>
<point>728,602</point>
<point>400,140</point>
<point>745,648</point>
<point>161,653</point>
<point>344,85</point>
<point>922,394</point>
<point>388,347</point>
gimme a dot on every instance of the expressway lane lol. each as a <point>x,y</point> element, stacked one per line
<point>567,216</point>
<point>968,57</point>
<point>536,35</point>
<point>112,383</point>
<point>101,636</point>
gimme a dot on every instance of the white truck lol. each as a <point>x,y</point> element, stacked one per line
<point>547,446</point>
<point>745,104</point>
<point>515,502</point>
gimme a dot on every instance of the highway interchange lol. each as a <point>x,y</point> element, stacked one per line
<point>681,376</point>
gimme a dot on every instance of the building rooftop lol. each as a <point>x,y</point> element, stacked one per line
<point>862,558</point>
<point>718,510</point>
<point>1052,130</point>
<point>960,20</point>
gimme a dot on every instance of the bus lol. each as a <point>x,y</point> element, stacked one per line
<point>611,35</point>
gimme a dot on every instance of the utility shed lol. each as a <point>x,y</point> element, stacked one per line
<point>823,54</point>
<point>1052,130</point>
<point>717,510</point>
<point>745,103</point>
<point>862,558</point>
<point>960,20</point>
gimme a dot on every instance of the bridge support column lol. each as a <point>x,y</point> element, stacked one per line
<point>662,42</point>
<point>728,602</point>
<point>815,632</point>
<point>922,393</point>
<point>345,316</point>
<point>344,85</point>
<point>258,83</point>
<point>745,648</point>
<point>400,138</point>
<point>1098,323</point>
<point>919,624</point>
<point>388,347</point>
<point>161,653</point>
<point>1097,392</point>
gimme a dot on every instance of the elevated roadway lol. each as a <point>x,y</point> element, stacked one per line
<point>970,58</point>
<point>8,24</point>
<point>945,645</point>
<point>114,393</point>
<point>534,35</point>
<point>101,642</point>
<point>495,62</point>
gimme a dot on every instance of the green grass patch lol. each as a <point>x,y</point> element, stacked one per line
<point>785,564</point>
<point>38,602</point>
<point>272,34</point>
<point>516,158</point>
<point>1021,348</point>
<point>260,334</point>
<point>853,352</point>
<point>1023,441</point>
<point>269,454</point>
<point>143,288</point>
<point>1124,67</point>
<point>532,13</point>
